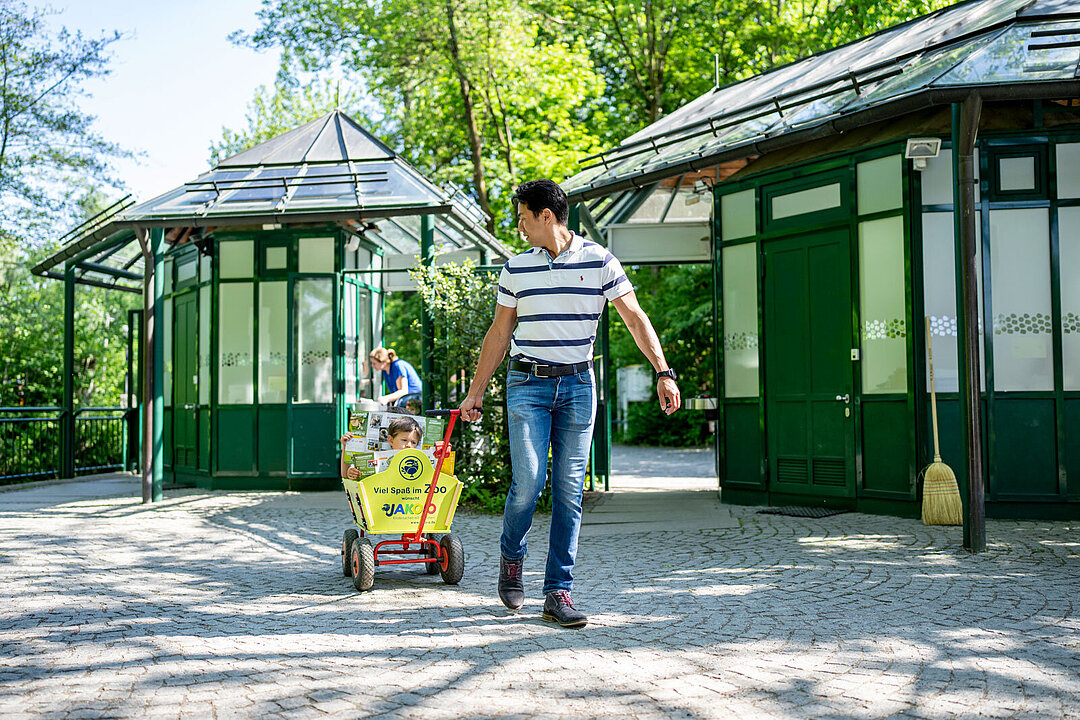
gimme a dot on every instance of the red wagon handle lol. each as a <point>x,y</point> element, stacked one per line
<point>440,455</point>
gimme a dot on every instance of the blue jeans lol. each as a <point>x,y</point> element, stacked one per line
<point>555,412</point>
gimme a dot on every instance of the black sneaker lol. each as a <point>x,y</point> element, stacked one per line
<point>559,607</point>
<point>511,588</point>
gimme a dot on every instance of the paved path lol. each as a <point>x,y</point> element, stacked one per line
<point>233,605</point>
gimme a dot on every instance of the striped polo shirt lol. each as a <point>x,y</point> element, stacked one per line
<point>559,301</point>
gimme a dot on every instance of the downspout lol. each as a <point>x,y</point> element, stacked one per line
<point>965,128</point>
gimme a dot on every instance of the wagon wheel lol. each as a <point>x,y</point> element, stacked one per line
<point>362,558</point>
<point>454,564</point>
<point>346,547</point>
<point>432,568</point>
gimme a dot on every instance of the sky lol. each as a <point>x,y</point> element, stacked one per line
<point>176,81</point>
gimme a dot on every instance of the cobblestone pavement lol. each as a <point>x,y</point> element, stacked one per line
<point>233,605</point>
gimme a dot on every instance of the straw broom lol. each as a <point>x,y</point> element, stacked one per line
<point>941,496</point>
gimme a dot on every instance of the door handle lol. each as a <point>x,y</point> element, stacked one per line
<point>843,398</point>
<point>191,406</point>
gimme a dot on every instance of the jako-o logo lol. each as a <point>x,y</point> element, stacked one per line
<point>411,468</point>
<point>390,509</point>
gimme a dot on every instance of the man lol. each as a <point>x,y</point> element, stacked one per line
<point>550,299</point>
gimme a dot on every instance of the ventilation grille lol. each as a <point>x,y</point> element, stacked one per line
<point>829,472</point>
<point>792,470</point>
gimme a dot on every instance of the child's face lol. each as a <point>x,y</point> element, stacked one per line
<point>405,440</point>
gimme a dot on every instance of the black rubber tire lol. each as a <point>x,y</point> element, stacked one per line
<point>455,559</point>
<point>363,563</point>
<point>431,568</point>
<point>346,547</point>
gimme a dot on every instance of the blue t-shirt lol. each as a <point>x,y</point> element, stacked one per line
<point>400,368</point>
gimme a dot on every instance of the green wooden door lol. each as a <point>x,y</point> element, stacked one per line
<point>808,368</point>
<point>185,384</point>
<point>312,444</point>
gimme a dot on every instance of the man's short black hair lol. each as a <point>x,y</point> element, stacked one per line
<point>539,194</point>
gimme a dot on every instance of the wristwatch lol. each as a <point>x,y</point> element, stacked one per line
<point>670,372</point>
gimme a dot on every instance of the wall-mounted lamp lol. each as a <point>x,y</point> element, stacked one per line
<point>919,150</point>
<point>353,243</point>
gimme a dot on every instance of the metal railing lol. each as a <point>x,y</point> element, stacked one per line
<point>31,441</point>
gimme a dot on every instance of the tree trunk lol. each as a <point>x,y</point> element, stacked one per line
<point>475,144</point>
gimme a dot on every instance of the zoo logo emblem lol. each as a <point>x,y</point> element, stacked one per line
<point>410,468</point>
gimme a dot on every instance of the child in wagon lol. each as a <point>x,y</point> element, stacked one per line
<point>402,432</point>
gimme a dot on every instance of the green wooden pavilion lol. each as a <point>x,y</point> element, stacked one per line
<point>833,233</point>
<point>263,281</point>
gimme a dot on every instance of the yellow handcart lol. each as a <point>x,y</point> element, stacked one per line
<point>411,499</point>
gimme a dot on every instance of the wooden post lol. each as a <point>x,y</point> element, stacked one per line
<point>965,126</point>
<point>157,247</point>
<point>153,354</point>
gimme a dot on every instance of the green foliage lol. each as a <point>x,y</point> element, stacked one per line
<point>49,158</point>
<point>46,144</point>
<point>461,302</point>
<point>679,301</point>
<point>32,343</point>
<point>656,56</point>
<point>293,100</point>
<point>647,425</point>
<point>465,88</point>
<point>401,328</point>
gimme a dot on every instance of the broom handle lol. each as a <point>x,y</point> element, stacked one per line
<point>933,395</point>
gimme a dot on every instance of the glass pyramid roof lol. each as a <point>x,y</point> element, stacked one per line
<point>327,170</point>
<point>991,45</point>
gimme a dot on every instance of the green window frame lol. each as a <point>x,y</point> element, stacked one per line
<point>832,214</point>
<point>1040,160</point>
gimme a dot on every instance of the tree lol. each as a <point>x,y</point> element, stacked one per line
<point>463,301</point>
<point>678,300</point>
<point>295,98</point>
<point>468,89</point>
<point>656,55</point>
<point>46,144</point>
<point>49,161</point>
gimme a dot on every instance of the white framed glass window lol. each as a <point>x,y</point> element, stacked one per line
<point>1068,170</point>
<point>187,269</point>
<point>880,184</point>
<point>316,255</point>
<point>314,341</point>
<point>167,349</point>
<point>1016,173</point>
<point>236,259</point>
<point>1069,258</point>
<point>882,306</point>
<point>348,313</point>
<point>939,299</point>
<point>740,298</point>
<point>273,339</point>
<point>738,215</point>
<point>277,257</point>
<point>806,201</point>
<point>1020,299</point>
<point>167,276</point>
<point>204,345</point>
<point>235,344</point>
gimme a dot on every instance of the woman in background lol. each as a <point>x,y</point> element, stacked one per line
<point>401,379</point>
